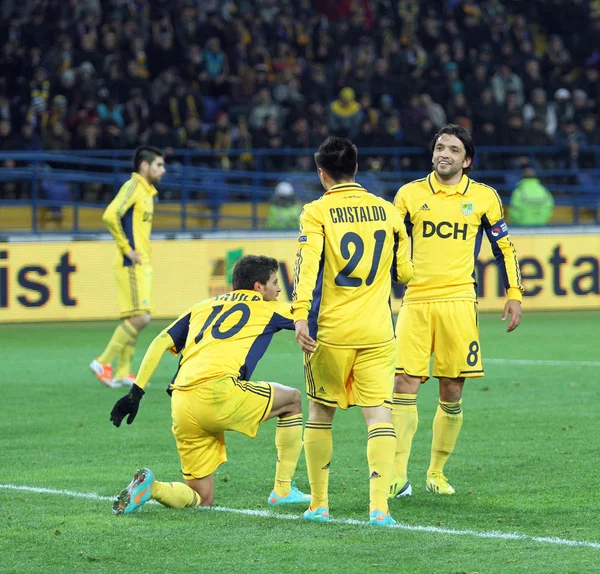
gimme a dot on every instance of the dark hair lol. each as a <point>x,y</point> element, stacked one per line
<point>146,153</point>
<point>464,135</point>
<point>337,156</point>
<point>252,268</point>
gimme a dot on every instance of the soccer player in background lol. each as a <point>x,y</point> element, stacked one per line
<point>129,219</point>
<point>446,213</point>
<point>351,245</point>
<point>220,341</point>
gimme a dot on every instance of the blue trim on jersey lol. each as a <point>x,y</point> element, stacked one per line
<point>169,389</point>
<point>313,314</point>
<point>179,332</point>
<point>261,343</point>
<point>127,223</point>
<point>498,255</point>
<point>477,248</point>
<point>394,269</point>
<point>408,224</point>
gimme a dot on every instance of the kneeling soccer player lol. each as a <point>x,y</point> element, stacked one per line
<point>220,341</point>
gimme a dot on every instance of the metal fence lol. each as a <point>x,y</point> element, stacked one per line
<point>79,179</point>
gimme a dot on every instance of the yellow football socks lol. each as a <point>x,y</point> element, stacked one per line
<point>288,440</point>
<point>380,456</point>
<point>174,494</point>
<point>446,426</point>
<point>124,333</point>
<point>125,357</point>
<point>406,419</point>
<point>318,449</point>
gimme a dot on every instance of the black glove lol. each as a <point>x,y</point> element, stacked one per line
<point>127,405</point>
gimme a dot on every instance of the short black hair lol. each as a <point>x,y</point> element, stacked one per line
<point>337,156</point>
<point>146,153</point>
<point>464,135</point>
<point>252,268</point>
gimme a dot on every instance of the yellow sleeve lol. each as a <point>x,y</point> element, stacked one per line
<point>403,266</point>
<point>308,259</point>
<point>152,358</point>
<point>400,203</point>
<point>502,247</point>
<point>126,197</point>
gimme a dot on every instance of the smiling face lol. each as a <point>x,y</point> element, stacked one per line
<point>449,157</point>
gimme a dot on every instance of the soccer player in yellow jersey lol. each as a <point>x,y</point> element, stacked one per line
<point>351,245</point>
<point>446,213</point>
<point>220,341</point>
<point>129,219</point>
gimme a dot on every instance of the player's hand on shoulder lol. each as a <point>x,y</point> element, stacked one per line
<point>513,308</point>
<point>306,342</point>
<point>127,405</point>
<point>134,256</point>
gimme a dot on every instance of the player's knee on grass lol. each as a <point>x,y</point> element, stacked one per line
<point>451,389</point>
<point>205,487</point>
<point>407,384</point>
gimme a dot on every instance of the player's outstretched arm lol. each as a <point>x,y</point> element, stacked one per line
<point>128,405</point>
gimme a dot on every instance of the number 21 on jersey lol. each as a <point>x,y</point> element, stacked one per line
<point>344,278</point>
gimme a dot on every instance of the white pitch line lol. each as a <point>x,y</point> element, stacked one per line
<point>542,362</point>
<point>269,514</point>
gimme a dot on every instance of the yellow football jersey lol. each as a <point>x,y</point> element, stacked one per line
<point>447,224</point>
<point>352,245</point>
<point>129,218</point>
<point>225,336</point>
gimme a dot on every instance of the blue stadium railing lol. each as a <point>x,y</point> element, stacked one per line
<point>192,180</point>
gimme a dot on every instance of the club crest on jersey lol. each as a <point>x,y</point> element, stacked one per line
<point>302,239</point>
<point>466,207</point>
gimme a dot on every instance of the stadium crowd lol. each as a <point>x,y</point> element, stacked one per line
<point>241,74</point>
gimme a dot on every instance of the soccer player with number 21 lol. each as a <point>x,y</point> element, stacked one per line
<point>352,244</point>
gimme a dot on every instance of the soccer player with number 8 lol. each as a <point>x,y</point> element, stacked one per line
<point>446,214</point>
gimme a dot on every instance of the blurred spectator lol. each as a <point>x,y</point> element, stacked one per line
<point>284,207</point>
<point>589,128</point>
<point>215,75</point>
<point>345,115</point>
<point>570,139</point>
<point>532,78</point>
<point>504,81</point>
<point>530,203</point>
<point>433,111</point>
<point>271,138</point>
<point>486,111</point>
<point>539,109</point>
<point>221,138</point>
<point>263,108</point>
<point>57,137</point>
<point>582,107</point>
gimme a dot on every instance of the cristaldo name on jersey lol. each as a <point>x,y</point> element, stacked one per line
<point>355,213</point>
<point>445,230</point>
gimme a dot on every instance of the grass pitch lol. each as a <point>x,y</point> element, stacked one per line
<point>525,467</point>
